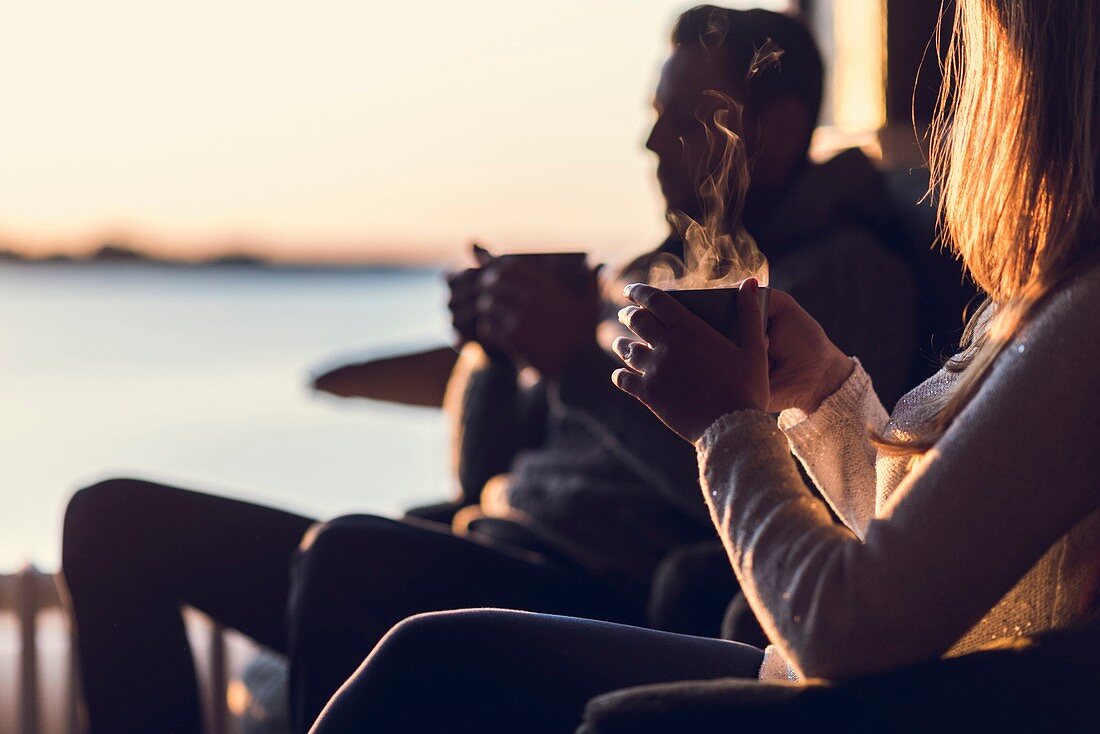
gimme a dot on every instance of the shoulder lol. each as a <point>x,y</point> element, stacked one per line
<point>851,248</point>
<point>1068,318</point>
<point>1050,367</point>
<point>847,257</point>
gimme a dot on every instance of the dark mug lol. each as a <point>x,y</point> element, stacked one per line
<point>718,306</point>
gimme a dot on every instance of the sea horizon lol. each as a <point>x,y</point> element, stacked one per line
<point>200,377</point>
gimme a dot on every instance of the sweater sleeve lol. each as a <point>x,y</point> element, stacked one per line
<point>833,444</point>
<point>1013,473</point>
<point>492,418</point>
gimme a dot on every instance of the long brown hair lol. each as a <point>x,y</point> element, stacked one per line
<point>1015,158</point>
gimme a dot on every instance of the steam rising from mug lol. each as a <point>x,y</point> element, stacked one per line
<point>718,251</point>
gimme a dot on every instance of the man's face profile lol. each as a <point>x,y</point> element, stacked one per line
<point>678,138</point>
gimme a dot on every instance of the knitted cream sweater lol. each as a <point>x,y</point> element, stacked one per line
<point>994,533</point>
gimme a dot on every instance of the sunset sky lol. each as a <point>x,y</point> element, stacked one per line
<point>338,129</point>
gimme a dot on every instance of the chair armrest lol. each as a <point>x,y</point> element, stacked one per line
<point>441,512</point>
<point>1046,683</point>
<point>417,378</point>
<point>702,707</point>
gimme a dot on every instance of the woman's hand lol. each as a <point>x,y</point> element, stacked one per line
<point>806,367</point>
<point>687,373</point>
<point>690,375</point>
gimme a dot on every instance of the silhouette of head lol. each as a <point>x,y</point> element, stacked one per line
<point>712,50</point>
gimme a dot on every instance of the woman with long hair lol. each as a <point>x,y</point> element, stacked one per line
<point>969,514</point>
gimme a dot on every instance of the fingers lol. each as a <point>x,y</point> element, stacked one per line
<point>462,281</point>
<point>503,299</point>
<point>497,327</point>
<point>504,290</point>
<point>500,296</point>
<point>779,302</point>
<point>656,301</point>
<point>481,256</point>
<point>635,355</point>
<point>629,382</point>
<point>644,324</point>
<point>462,302</point>
<point>750,318</point>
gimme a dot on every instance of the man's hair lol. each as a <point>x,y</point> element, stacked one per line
<point>737,35</point>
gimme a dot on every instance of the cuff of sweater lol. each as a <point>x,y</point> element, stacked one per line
<point>775,667</point>
<point>748,435</point>
<point>839,408</point>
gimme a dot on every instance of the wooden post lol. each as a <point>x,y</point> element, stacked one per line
<point>73,723</point>
<point>27,611</point>
<point>219,680</point>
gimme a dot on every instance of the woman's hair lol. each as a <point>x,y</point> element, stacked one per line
<point>1015,159</point>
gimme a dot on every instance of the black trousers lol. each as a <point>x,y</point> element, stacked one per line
<point>323,593</point>
<point>495,672</point>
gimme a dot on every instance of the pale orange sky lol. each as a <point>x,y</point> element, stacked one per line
<point>343,129</point>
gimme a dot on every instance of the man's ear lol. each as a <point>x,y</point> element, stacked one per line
<point>784,127</point>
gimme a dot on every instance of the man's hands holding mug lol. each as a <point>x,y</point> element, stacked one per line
<point>512,307</point>
<point>690,375</point>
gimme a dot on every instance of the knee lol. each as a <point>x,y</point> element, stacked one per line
<point>102,504</point>
<point>95,521</point>
<point>458,633</point>
<point>327,560</point>
<point>413,637</point>
<point>330,544</point>
<point>387,690</point>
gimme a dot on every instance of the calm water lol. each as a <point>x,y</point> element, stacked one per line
<point>200,378</point>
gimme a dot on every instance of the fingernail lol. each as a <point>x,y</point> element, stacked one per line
<point>629,289</point>
<point>624,313</point>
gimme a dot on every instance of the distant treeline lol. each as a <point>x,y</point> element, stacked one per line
<point>115,254</point>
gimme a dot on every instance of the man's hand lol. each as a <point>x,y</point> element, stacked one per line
<point>463,303</point>
<point>532,316</point>
<point>464,292</point>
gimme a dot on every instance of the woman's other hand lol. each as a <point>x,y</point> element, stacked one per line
<point>806,367</point>
<point>687,373</point>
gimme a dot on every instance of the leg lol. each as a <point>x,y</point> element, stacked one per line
<point>498,671</point>
<point>358,576</point>
<point>133,553</point>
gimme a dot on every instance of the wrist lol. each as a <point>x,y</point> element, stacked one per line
<point>836,372</point>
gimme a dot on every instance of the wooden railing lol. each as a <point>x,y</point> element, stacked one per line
<point>28,593</point>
